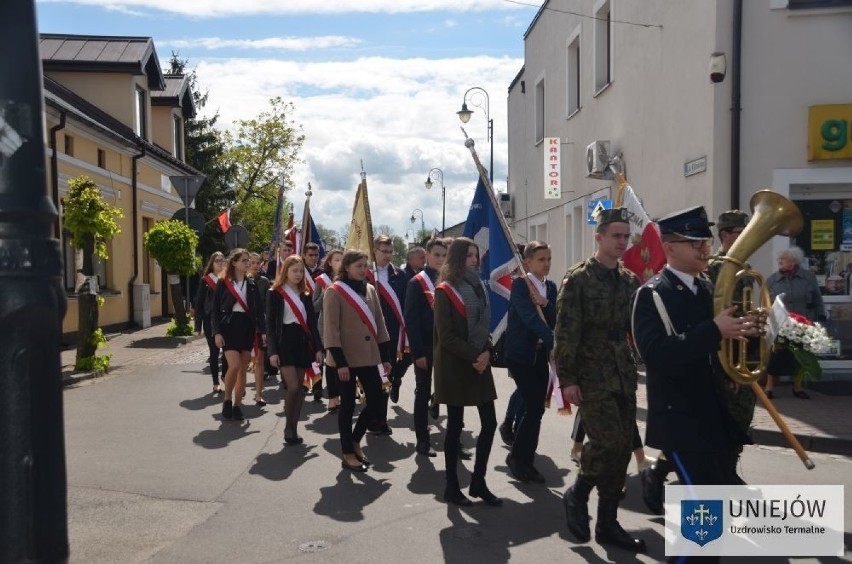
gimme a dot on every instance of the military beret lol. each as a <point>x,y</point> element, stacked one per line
<point>690,223</point>
<point>615,215</point>
<point>731,219</point>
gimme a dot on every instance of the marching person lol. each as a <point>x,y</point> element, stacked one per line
<point>529,347</point>
<point>678,337</point>
<point>294,343</point>
<point>356,340</point>
<point>597,372</point>
<point>390,283</point>
<point>419,322</point>
<point>259,360</point>
<point>462,353</point>
<point>284,250</point>
<point>324,279</point>
<point>310,257</point>
<point>415,261</point>
<point>203,306</point>
<point>237,319</point>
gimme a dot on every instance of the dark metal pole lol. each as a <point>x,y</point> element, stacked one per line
<point>443,207</point>
<point>491,136</point>
<point>33,491</point>
<point>736,109</point>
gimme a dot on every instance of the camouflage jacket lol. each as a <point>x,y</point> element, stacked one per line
<point>716,263</point>
<point>592,326</point>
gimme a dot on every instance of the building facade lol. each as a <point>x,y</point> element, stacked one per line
<point>638,75</point>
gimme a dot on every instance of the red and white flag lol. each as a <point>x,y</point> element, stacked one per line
<point>225,220</point>
<point>644,256</point>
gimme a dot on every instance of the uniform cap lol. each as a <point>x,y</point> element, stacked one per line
<point>615,215</point>
<point>731,219</point>
<point>690,223</point>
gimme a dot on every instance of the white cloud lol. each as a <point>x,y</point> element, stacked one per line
<point>398,115</point>
<point>283,43</point>
<point>221,8</point>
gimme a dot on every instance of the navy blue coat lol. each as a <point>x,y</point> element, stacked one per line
<point>525,327</point>
<point>686,410</point>
<point>398,281</point>
<point>419,317</point>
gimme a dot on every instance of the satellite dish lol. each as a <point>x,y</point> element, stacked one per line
<point>196,220</point>
<point>236,237</point>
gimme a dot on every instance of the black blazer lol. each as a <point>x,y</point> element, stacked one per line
<point>419,317</point>
<point>398,281</point>
<point>275,305</point>
<point>203,304</point>
<point>223,304</point>
<point>525,327</point>
<point>686,409</point>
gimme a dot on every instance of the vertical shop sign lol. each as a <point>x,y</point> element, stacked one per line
<point>822,234</point>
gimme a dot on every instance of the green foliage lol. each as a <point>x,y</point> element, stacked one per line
<point>180,330</point>
<point>329,237</point>
<point>87,213</point>
<point>257,216</point>
<point>807,366</point>
<point>173,245</point>
<point>94,363</point>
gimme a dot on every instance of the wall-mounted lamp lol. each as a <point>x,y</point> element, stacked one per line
<point>718,67</point>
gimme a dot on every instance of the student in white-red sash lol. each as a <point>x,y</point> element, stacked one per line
<point>356,340</point>
<point>419,321</point>
<point>324,279</point>
<point>238,320</point>
<point>294,344</point>
<point>202,308</point>
<point>259,357</point>
<point>462,365</point>
<point>310,256</point>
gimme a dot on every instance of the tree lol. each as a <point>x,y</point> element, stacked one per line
<point>263,153</point>
<point>400,250</point>
<point>173,244</point>
<point>329,237</point>
<point>92,222</point>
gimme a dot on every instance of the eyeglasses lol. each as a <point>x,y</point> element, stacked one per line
<point>245,260</point>
<point>219,260</point>
<point>699,244</point>
<point>385,251</point>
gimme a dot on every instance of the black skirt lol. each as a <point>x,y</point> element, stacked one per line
<point>294,348</point>
<point>781,363</point>
<point>238,332</point>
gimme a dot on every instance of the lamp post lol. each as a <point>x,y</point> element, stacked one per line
<point>422,223</point>
<point>428,183</point>
<point>476,99</point>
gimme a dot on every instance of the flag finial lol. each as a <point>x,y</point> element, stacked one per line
<point>310,192</point>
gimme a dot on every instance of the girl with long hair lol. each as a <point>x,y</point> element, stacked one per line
<point>294,343</point>
<point>203,307</point>
<point>462,346</point>
<point>328,272</point>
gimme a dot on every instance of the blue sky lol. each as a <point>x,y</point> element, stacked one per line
<point>378,80</point>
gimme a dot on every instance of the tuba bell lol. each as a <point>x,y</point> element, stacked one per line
<point>773,214</point>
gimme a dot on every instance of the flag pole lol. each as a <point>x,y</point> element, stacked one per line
<point>306,220</point>
<point>369,216</point>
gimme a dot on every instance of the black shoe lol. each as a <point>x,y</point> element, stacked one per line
<point>238,413</point>
<point>353,468</point>
<point>456,497</point>
<point>507,434</point>
<point>609,531</point>
<point>516,469</point>
<point>227,410</point>
<point>652,490</point>
<point>378,430</point>
<point>480,490</point>
<point>464,453</point>
<point>577,516</point>
<point>394,393</point>
<point>318,395</point>
<point>425,449</point>
<point>534,475</point>
<point>768,393</point>
<point>801,394</point>
<point>294,440</point>
<point>433,408</point>
<point>364,460</point>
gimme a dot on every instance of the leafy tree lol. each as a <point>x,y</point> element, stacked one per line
<point>329,237</point>
<point>92,222</point>
<point>400,250</point>
<point>173,244</point>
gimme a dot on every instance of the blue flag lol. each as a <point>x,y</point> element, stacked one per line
<point>497,256</point>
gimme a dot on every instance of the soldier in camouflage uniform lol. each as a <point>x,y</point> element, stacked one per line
<point>597,370</point>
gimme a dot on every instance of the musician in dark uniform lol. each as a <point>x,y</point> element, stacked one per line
<point>687,414</point>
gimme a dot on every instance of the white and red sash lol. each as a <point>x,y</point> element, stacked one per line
<point>210,279</point>
<point>294,302</point>
<point>309,280</point>
<point>360,306</point>
<point>538,284</point>
<point>455,298</point>
<point>230,286</point>
<point>323,280</point>
<point>388,294</point>
<point>427,286</point>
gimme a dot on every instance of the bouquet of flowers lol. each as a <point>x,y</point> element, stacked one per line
<point>804,339</point>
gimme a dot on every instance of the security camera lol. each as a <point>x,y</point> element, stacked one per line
<point>718,66</point>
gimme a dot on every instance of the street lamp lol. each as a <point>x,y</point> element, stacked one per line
<point>476,99</point>
<point>422,223</point>
<point>428,183</point>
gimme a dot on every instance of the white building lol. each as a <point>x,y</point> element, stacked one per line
<point>637,74</point>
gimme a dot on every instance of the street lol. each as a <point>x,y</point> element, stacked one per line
<point>153,475</point>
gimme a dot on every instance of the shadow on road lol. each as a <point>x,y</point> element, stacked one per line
<point>429,476</point>
<point>155,343</point>
<point>228,432</point>
<point>346,500</point>
<point>278,466</point>
<point>203,402</point>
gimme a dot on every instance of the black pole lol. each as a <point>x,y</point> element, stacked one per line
<point>736,109</point>
<point>443,206</point>
<point>33,491</point>
<point>491,135</point>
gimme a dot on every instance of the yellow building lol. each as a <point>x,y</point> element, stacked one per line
<point>112,115</point>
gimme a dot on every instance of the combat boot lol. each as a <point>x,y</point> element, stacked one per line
<point>608,530</point>
<point>653,485</point>
<point>576,501</point>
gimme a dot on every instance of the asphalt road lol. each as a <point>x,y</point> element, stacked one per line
<point>154,476</point>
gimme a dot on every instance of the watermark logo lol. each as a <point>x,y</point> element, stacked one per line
<point>701,521</point>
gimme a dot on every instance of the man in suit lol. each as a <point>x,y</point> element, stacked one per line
<point>285,249</point>
<point>391,283</point>
<point>687,416</point>
<point>415,261</point>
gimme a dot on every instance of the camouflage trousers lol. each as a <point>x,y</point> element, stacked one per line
<point>609,424</point>
<point>741,405</point>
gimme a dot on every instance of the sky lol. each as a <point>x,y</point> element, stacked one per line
<point>378,81</point>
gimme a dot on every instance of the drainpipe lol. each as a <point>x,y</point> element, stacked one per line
<point>54,169</point>
<point>736,110</point>
<point>134,227</point>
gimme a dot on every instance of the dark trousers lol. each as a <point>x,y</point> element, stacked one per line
<point>422,393</point>
<point>578,433</point>
<point>371,383</point>
<point>213,359</point>
<point>332,382</point>
<point>398,369</point>
<point>515,408</point>
<point>455,423</point>
<point>532,384</point>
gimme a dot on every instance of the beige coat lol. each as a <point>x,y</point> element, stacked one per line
<point>342,327</point>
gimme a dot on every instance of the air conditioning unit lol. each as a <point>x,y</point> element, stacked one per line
<point>597,159</point>
<point>505,201</point>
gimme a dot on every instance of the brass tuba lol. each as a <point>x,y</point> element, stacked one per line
<point>773,214</point>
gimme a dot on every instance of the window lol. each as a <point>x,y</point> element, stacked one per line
<point>603,45</point>
<point>74,261</point>
<point>573,86</point>
<point>178,133</point>
<point>539,111</point>
<point>797,4</point>
<point>141,114</point>
<point>69,145</point>
<point>101,158</point>
<point>541,233</point>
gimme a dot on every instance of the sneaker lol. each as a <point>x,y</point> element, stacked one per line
<point>238,413</point>
<point>227,410</point>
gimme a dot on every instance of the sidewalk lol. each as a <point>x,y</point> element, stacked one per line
<point>822,424</point>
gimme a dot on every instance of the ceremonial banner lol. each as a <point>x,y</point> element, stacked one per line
<point>277,227</point>
<point>310,234</point>
<point>644,256</point>
<point>360,236</point>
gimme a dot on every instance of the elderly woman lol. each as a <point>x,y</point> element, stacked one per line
<point>802,296</point>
